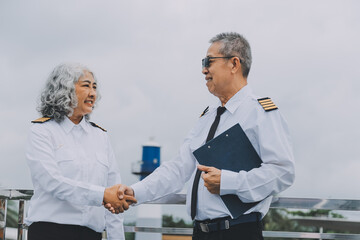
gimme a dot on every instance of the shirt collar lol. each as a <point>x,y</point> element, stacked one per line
<point>235,101</point>
<point>68,125</point>
<point>85,125</point>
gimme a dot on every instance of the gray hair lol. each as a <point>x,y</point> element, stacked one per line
<point>58,99</point>
<point>234,44</point>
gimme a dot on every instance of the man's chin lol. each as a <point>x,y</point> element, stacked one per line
<point>212,92</point>
<point>209,86</point>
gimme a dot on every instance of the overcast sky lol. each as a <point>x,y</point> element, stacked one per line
<point>147,58</point>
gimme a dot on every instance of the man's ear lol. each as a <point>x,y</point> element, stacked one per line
<point>236,65</point>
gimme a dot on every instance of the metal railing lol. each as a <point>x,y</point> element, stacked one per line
<point>278,202</point>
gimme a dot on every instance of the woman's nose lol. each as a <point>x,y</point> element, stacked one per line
<point>92,92</point>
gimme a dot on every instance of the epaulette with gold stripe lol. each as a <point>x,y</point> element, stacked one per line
<point>267,104</point>
<point>41,120</point>
<point>205,111</point>
<point>95,125</point>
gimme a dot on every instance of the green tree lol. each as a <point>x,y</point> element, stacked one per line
<point>280,220</point>
<point>170,221</point>
<point>316,213</point>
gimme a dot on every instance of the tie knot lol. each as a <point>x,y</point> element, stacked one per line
<point>220,110</point>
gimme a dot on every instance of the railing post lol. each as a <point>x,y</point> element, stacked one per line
<point>321,230</point>
<point>21,220</point>
<point>3,212</point>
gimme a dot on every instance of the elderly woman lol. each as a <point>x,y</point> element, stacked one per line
<point>72,163</point>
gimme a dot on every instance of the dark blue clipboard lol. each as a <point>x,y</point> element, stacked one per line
<point>231,150</point>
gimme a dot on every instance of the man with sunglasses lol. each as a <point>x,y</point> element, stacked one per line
<point>226,68</point>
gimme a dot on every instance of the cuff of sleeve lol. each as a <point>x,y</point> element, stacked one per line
<point>139,192</point>
<point>116,234</point>
<point>96,195</point>
<point>228,182</point>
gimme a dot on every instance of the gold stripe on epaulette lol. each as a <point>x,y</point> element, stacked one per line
<point>267,104</point>
<point>41,120</point>
<point>270,108</point>
<point>264,101</point>
<point>95,125</point>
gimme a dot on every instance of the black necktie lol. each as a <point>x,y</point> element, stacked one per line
<point>210,136</point>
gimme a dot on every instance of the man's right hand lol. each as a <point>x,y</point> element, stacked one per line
<point>124,191</point>
<point>114,203</point>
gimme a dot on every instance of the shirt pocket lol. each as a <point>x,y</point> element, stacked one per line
<point>101,168</point>
<point>67,164</point>
<point>196,142</point>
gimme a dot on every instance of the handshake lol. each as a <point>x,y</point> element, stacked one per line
<point>118,198</point>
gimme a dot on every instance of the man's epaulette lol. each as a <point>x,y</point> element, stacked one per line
<point>41,120</point>
<point>205,111</point>
<point>95,125</point>
<point>267,104</point>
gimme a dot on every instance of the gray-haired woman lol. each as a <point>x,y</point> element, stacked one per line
<point>72,163</point>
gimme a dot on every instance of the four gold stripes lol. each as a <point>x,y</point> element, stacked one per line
<point>267,104</point>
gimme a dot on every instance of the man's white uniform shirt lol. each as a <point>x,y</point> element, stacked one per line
<point>70,167</point>
<point>268,133</point>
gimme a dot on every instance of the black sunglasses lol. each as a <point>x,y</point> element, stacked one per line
<point>206,61</point>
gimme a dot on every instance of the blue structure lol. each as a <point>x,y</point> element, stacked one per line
<point>150,160</point>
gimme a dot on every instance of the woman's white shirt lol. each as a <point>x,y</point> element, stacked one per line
<point>70,167</point>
